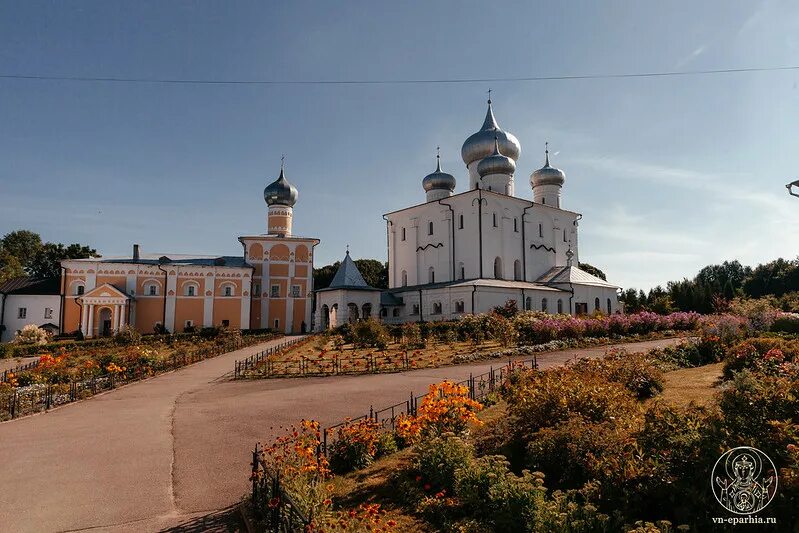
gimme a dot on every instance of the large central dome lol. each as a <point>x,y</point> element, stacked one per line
<point>481,144</point>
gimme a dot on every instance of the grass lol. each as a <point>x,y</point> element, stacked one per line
<point>698,385</point>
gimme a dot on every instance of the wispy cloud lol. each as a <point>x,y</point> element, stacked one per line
<point>690,57</point>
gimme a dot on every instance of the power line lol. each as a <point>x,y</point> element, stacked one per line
<point>190,81</point>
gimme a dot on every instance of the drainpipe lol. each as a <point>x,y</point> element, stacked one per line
<point>480,201</point>
<point>61,302</point>
<point>474,290</point>
<point>421,314</point>
<point>163,321</point>
<point>79,302</point>
<point>388,248</point>
<point>452,211</point>
<point>524,240</point>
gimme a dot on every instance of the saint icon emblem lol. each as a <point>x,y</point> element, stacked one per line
<point>744,480</point>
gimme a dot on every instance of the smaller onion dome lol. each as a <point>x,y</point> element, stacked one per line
<point>280,191</point>
<point>438,180</point>
<point>548,175</point>
<point>496,163</point>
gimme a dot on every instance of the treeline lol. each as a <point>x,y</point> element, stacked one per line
<point>715,286</point>
<point>23,253</point>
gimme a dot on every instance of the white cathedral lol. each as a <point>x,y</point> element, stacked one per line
<point>472,251</point>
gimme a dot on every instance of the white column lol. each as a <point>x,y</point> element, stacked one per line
<point>119,317</point>
<point>84,319</point>
<point>91,321</point>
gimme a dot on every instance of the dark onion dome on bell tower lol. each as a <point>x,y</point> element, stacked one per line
<point>548,175</point>
<point>496,163</point>
<point>280,191</point>
<point>439,180</point>
<point>481,144</point>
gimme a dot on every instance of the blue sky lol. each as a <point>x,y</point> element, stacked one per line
<point>671,174</point>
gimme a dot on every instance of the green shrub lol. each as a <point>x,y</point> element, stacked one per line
<point>127,335</point>
<point>786,323</point>
<point>638,372</point>
<point>369,333</point>
<point>412,336</point>
<point>386,444</point>
<point>544,399</point>
<point>438,458</point>
<point>355,446</point>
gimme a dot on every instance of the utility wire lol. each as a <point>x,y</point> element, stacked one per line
<point>190,81</point>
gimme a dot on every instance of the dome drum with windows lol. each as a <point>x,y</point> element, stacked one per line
<point>280,196</point>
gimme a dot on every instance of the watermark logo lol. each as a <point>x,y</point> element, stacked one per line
<point>744,480</point>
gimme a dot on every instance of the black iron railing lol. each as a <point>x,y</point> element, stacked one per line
<point>18,369</point>
<point>261,359</point>
<point>271,503</point>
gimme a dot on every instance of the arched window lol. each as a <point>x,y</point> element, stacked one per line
<point>461,271</point>
<point>366,310</point>
<point>596,304</point>
<point>353,312</point>
<point>431,275</point>
<point>543,201</point>
<point>610,309</point>
<point>517,270</point>
<point>515,225</point>
<point>528,304</point>
<point>430,228</point>
<point>460,221</point>
<point>395,312</point>
<point>459,306</point>
<point>544,305</point>
<point>151,288</point>
<point>228,289</point>
<point>191,288</point>
<point>404,278</point>
<point>78,288</point>
<point>436,308</point>
<point>403,234</point>
<point>498,268</point>
<point>540,230</point>
<point>560,306</point>
<point>494,218</point>
<point>383,311</point>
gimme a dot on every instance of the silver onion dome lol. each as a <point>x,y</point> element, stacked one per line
<point>438,179</point>
<point>280,191</point>
<point>548,175</point>
<point>496,163</point>
<point>481,144</point>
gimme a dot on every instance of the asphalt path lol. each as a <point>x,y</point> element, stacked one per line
<point>172,452</point>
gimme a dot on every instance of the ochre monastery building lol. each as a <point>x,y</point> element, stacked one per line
<point>270,286</point>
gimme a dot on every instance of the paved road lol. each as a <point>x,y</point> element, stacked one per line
<point>173,451</point>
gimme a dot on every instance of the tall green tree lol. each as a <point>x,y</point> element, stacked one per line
<point>374,272</point>
<point>591,269</point>
<point>22,252</point>
<point>47,262</point>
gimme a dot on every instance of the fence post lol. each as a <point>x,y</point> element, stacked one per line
<point>255,479</point>
<point>47,398</point>
<point>471,386</point>
<point>371,412</point>
<point>14,404</point>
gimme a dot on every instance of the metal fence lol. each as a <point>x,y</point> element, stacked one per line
<point>479,387</point>
<point>43,397</point>
<point>271,503</point>
<point>18,369</point>
<point>261,358</point>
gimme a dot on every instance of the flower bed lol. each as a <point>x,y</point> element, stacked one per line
<point>368,346</point>
<point>67,376</point>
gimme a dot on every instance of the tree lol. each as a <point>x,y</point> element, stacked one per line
<point>374,272</point>
<point>47,262</point>
<point>10,267</point>
<point>322,276</point>
<point>23,253</point>
<point>22,244</point>
<point>594,271</point>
